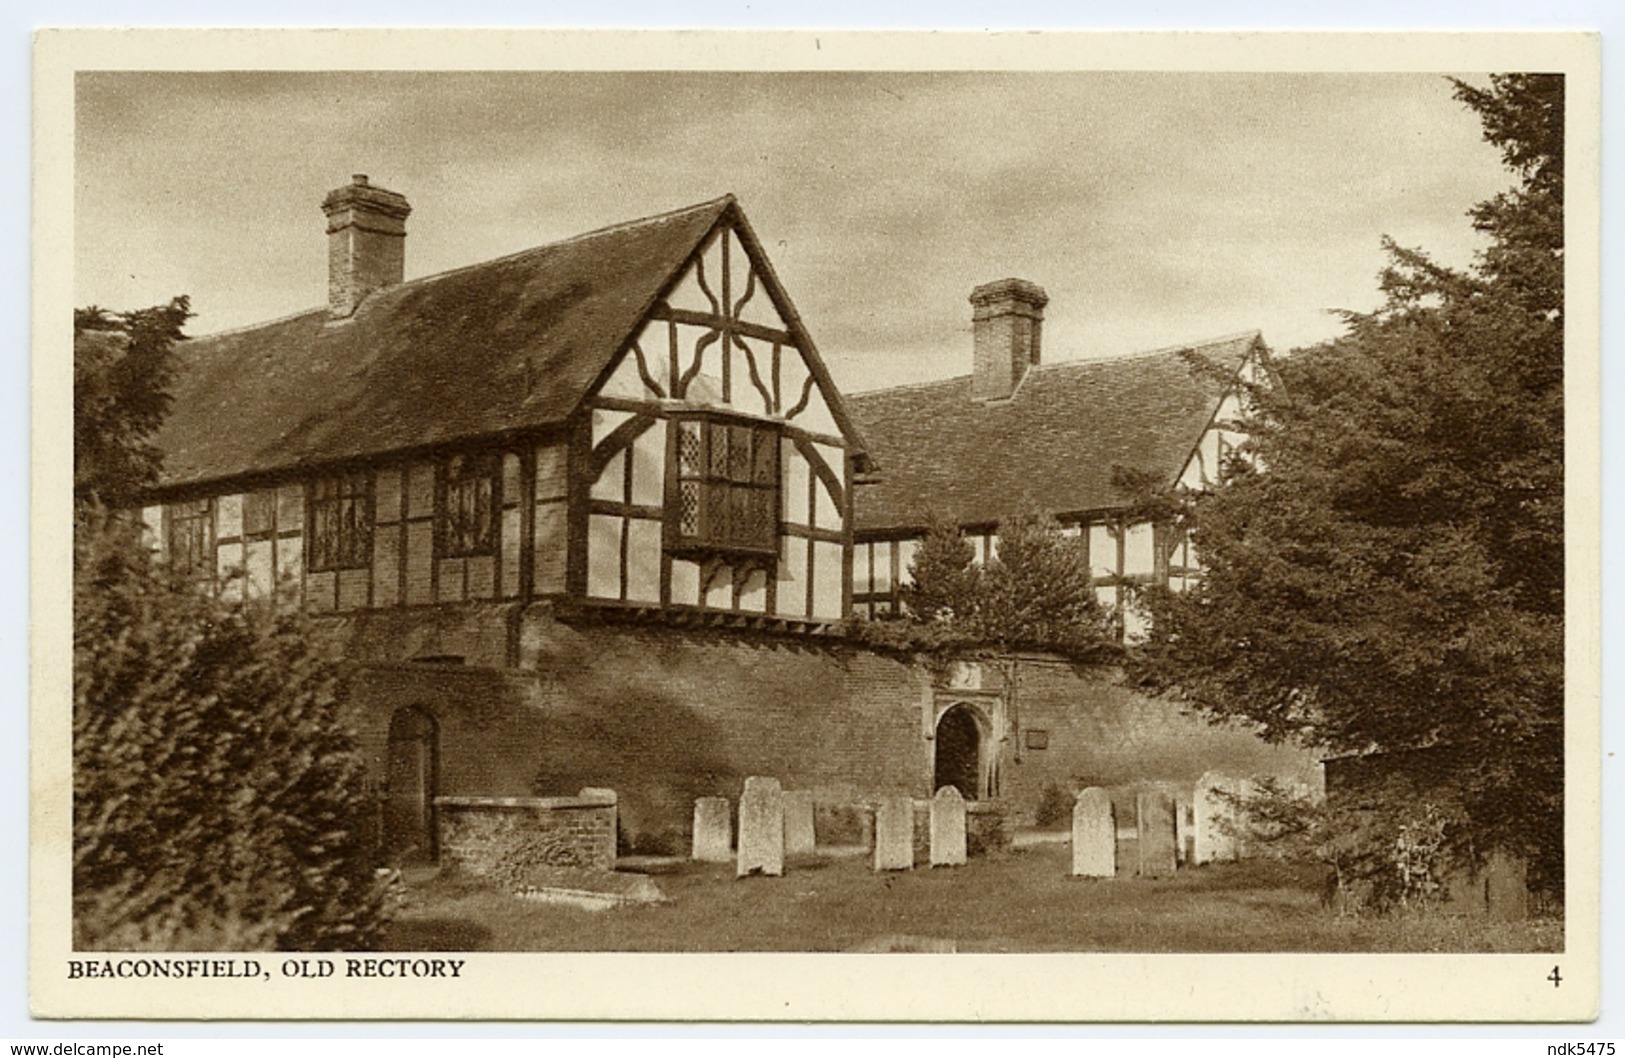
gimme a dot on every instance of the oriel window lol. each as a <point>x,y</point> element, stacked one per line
<point>340,522</point>
<point>468,505</point>
<point>727,487</point>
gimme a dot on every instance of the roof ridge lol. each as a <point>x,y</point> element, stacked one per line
<point>719,203</point>
<point>1145,354</point>
<point>906,385</point>
<point>272,322</point>
<point>1087,361</point>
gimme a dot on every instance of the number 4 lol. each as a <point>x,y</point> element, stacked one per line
<point>1554,977</point>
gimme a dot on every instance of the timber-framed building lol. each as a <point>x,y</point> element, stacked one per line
<point>586,515</point>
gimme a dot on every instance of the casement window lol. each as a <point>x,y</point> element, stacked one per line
<point>340,515</point>
<point>259,514</point>
<point>189,538</point>
<point>727,488</point>
<point>467,523</point>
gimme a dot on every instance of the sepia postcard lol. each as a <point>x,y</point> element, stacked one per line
<point>816,526</point>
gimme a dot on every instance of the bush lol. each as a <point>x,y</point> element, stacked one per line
<point>218,800</point>
<point>1377,856</point>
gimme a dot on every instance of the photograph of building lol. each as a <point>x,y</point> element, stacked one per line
<point>588,515</point>
<point>618,436</point>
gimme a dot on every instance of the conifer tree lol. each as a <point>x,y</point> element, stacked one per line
<point>217,794</point>
<point>1386,572</point>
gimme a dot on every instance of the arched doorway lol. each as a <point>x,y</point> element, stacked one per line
<point>959,752</point>
<point>409,831</point>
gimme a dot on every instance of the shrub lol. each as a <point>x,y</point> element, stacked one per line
<point>1376,856</point>
<point>218,799</point>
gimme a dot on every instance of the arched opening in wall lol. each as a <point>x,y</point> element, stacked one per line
<point>959,753</point>
<point>413,762</point>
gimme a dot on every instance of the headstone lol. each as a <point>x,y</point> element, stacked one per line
<point>1506,886</point>
<point>1215,819</point>
<point>761,828</point>
<point>798,822</point>
<point>1094,835</point>
<point>1156,834</point>
<point>947,828</point>
<point>894,834</point>
<point>1183,839</point>
<point>713,832</point>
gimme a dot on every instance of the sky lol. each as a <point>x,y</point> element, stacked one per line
<point>1156,209</point>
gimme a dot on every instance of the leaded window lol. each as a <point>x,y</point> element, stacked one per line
<point>468,505</point>
<point>259,514</point>
<point>727,490</point>
<point>190,542</point>
<point>340,522</point>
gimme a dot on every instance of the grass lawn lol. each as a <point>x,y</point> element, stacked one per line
<point>1023,900</point>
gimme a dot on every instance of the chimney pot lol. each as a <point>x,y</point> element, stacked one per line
<point>366,243</point>
<point>1007,322</point>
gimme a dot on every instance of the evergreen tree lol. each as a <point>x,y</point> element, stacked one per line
<point>1387,572</point>
<point>217,795</point>
<point>123,366</point>
<point>1036,594</point>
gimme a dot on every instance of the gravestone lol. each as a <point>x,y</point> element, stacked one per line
<point>1094,835</point>
<point>761,828</point>
<point>894,834</point>
<point>798,822</point>
<point>713,831</point>
<point>1184,841</point>
<point>1214,816</point>
<point>1156,834</point>
<point>1506,886</point>
<point>947,828</point>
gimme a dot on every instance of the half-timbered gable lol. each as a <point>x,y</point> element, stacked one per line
<point>720,457</point>
<point>633,417</point>
<point>1051,439</point>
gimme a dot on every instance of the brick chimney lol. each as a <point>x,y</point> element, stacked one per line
<point>1007,320</point>
<point>366,243</point>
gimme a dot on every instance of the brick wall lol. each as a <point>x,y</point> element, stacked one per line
<point>1097,732</point>
<point>691,713</point>
<point>664,715</point>
<point>507,840</point>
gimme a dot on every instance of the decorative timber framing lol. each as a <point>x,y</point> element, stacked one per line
<point>717,344</point>
<point>708,363</point>
<point>1122,552</point>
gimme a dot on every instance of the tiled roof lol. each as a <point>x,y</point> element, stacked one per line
<point>510,343</point>
<point>1050,448</point>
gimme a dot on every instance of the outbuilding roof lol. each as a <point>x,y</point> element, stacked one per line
<point>511,343</point>
<point>1050,448</point>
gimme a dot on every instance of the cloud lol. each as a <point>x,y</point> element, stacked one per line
<point>1154,207</point>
